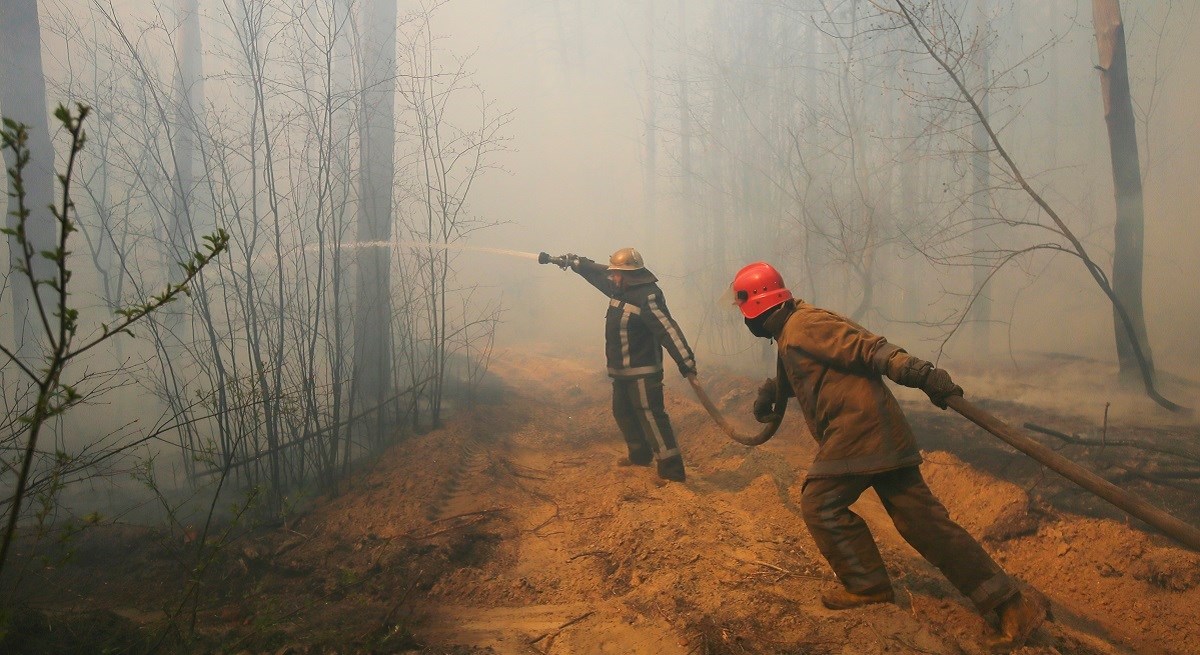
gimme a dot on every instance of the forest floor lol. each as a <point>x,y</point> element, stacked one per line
<point>510,530</point>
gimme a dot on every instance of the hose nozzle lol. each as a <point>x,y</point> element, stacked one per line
<point>562,261</point>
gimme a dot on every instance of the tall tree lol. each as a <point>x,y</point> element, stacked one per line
<point>981,183</point>
<point>188,98</point>
<point>689,207</point>
<point>650,226</point>
<point>23,99</point>
<point>1127,185</point>
<point>377,166</point>
<point>946,52</point>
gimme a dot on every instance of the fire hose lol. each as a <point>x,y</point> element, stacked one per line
<point>1185,534</point>
<point>762,437</point>
<point>1132,504</point>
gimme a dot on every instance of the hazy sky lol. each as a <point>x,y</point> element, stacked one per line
<point>572,73</point>
<point>576,178</point>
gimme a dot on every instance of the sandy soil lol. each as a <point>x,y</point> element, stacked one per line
<point>511,531</point>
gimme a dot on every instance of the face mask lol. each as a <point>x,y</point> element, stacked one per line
<point>757,327</point>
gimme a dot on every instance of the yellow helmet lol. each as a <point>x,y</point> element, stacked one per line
<point>626,259</point>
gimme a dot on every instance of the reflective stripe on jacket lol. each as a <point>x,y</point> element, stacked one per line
<point>638,325</point>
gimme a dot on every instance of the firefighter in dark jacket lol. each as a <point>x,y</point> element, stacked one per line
<point>835,369</point>
<point>637,328</point>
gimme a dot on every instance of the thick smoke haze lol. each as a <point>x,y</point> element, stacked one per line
<point>820,141</point>
<point>574,75</point>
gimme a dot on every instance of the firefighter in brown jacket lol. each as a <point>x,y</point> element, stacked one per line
<point>835,369</point>
<point>638,326</point>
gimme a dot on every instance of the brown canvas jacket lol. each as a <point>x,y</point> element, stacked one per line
<point>834,369</point>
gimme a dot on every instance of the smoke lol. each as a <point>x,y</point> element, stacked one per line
<point>577,77</point>
<point>360,245</point>
<point>596,100</point>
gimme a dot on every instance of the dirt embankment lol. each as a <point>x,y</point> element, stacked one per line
<point>510,530</point>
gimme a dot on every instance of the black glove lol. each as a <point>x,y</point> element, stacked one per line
<point>919,374</point>
<point>687,372</point>
<point>574,261</point>
<point>764,403</point>
<point>938,386</point>
<point>911,371</point>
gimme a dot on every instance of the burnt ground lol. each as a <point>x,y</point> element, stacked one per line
<point>509,530</point>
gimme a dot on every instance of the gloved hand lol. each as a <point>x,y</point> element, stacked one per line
<point>562,261</point>
<point>689,372</point>
<point>910,371</point>
<point>919,374</point>
<point>574,261</point>
<point>764,403</point>
<point>938,386</point>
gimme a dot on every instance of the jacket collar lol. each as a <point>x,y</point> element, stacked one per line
<point>775,322</point>
<point>639,277</point>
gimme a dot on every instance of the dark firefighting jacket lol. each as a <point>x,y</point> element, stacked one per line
<point>638,324</point>
<point>834,368</point>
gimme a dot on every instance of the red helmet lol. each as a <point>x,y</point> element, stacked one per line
<point>757,288</point>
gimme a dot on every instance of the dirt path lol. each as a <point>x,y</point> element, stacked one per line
<point>511,531</point>
<point>542,544</point>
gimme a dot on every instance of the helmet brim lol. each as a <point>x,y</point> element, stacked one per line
<point>758,305</point>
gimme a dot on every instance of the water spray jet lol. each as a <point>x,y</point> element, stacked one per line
<point>357,245</point>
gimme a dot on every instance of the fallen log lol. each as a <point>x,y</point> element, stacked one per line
<point>1104,442</point>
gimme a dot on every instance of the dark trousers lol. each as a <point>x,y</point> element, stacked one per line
<point>844,540</point>
<point>638,407</point>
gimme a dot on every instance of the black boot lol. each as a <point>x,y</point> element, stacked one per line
<point>671,469</point>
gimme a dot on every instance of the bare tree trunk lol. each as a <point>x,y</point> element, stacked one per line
<point>372,338</point>
<point>909,180</point>
<point>189,97</point>
<point>1076,246</point>
<point>650,166</point>
<point>687,169</point>
<point>1127,184</point>
<point>860,256</point>
<point>981,173</point>
<point>812,86</point>
<point>23,99</point>
<point>1056,90</point>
